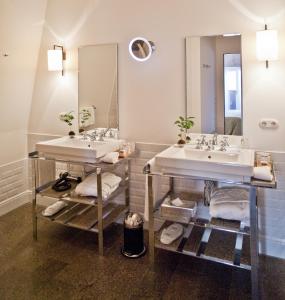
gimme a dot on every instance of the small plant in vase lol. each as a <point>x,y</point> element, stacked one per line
<point>68,118</point>
<point>184,124</point>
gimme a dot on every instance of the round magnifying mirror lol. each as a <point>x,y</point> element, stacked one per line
<point>141,49</point>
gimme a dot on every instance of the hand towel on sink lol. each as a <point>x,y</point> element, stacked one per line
<point>263,173</point>
<point>88,187</point>
<point>111,157</point>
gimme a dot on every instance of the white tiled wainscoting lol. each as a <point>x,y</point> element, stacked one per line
<point>13,185</point>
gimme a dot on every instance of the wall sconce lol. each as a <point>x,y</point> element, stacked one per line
<point>267,45</point>
<point>56,58</point>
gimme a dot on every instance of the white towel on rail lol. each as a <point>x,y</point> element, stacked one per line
<point>156,180</point>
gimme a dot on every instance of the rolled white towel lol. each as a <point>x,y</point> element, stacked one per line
<point>54,208</point>
<point>263,173</point>
<point>111,158</point>
<point>88,187</point>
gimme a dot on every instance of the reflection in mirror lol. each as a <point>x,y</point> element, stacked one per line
<point>232,93</point>
<point>97,87</point>
<point>214,83</point>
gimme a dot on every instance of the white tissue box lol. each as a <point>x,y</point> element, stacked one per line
<point>182,213</point>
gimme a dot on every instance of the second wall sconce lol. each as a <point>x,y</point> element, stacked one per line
<point>56,58</point>
<point>141,49</point>
<point>267,45</point>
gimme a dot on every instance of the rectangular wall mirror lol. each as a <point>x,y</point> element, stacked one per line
<point>214,83</point>
<point>98,87</point>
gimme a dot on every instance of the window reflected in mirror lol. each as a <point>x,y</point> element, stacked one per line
<point>232,94</point>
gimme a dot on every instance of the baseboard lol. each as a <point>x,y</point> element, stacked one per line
<point>14,202</point>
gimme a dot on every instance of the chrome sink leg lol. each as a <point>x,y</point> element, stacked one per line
<point>150,220</point>
<point>254,243</point>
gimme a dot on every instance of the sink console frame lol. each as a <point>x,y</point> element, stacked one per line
<point>208,226</point>
<point>86,213</point>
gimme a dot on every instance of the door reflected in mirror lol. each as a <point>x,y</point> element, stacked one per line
<point>214,83</point>
<point>98,87</point>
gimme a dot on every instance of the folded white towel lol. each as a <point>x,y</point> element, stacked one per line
<point>263,173</point>
<point>230,203</point>
<point>228,195</point>
<point>54,208</point>
<point>230,211</point>
<point>88,187</point>
<point>111,157</point>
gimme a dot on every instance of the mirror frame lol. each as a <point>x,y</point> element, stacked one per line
<point>117,81</point>
<point>188,88</point>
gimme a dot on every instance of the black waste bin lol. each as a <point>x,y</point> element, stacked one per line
<point>133,236</point>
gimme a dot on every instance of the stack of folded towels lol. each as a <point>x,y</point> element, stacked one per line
<point>88,187</point>
<point>230,203</point>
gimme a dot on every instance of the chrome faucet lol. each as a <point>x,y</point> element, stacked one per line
<point>215,139</point>
<point>199,145</point>
<point>209,146</point>
<point>226,141</point>
<point>203,141</point>
<point>91,137</point>
<point>106,131</point>
<point>224,144</point>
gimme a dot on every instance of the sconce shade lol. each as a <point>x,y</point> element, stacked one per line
<point>267,45</point>
<point>55,58</point>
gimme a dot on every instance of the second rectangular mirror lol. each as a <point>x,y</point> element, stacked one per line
<point>214,83</point>
<point>98,87</point>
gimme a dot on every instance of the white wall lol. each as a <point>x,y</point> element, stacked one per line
<point>153,93</point>
<point>20,36</point>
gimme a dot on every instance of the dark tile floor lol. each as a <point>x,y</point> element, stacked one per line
<point>64,264</point>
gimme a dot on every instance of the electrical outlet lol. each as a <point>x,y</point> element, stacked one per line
<point>268,124</point>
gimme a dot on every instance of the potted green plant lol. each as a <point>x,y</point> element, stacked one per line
<point>68,118</point>
<point>184,124</point>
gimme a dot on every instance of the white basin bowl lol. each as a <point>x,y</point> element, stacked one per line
<point>232,165</point>
<point>214,156</point>
<point>77,149</point>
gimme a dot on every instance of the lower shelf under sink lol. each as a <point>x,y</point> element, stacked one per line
<point>85,217</point>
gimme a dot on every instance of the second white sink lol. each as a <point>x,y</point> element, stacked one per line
<point>233,164</point>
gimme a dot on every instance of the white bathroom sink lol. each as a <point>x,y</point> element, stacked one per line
<point>77,149</point>
<point>232,164</point>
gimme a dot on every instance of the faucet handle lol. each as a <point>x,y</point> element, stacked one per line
<point>226,140</point>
